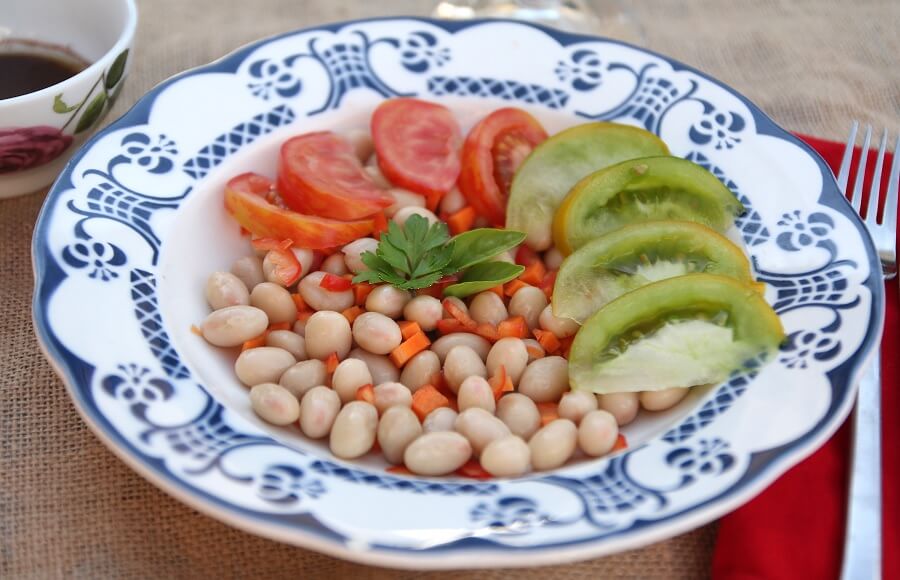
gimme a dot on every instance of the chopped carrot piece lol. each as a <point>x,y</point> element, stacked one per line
<point>366,393</point>
<point>255,342</point>
<point>462,220</point>
<point>514,286</point>
<point>279,326</point>
<point>534,273</point>
<point>426,399</point>
<point>196,330</point>
<point>473,470</point>
<point>334,283</point>
<point>488,331</point>
<point>398,470</point>
<point>451,325</point>
<point>304,316</point>
<point>525,256</point>
<point>409,348</point>
<point>514,326</point>
<point>501,383</point>
<point>361,292</point>
<point>458,313</point>
<point>408,328</point>
<point>331,362</point>
<point>299,302</point>
<point>440,383</point>
<point>621,443</point>
<point>549,412</point>
<point>380,225</point>
<point>548,282</point>
<point>498,290</point>
<point>547,340</point>
<point>534,352</point>
<point>352,313</point>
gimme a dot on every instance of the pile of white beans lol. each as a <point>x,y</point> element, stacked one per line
<point>289,382</point>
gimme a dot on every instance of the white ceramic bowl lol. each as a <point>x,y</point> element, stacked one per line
<point>39,131</point>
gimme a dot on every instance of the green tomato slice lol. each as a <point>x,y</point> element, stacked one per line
<point>639,254</point>
<point>637,190</point>
<point>550,171</point>
<point>680,332</point>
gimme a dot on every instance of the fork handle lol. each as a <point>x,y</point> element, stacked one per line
<point>862,544</point>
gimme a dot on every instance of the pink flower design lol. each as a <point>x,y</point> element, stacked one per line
<point>26,147</point>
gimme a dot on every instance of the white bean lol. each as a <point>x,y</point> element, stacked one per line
<point>380,366</point>
<point>405,213</point>
<point>274,404</point>
<point>553,444</point>
<point>306,257</point>
<point>546,379</point>
<point>303,376</point>
<point>508,456</point>
<point>353,432</point>
<point>510,353</point>
<point>249,270</point>
<point>534,348</point>
<point>397,428</point>
<point>425,311</point>
<point>389,395</point>
<point>334,264</point>
<point>437,453</point>
<point>461,363</point>
<point>318,410</point>
<point>275,301</point>
<point>528,302</point>
<point>387,300</point>
<point>480,427</point>
<point>328,332</point>
<point>520,414</point>
<point>348,377</point>
<point>597,433</point>
<point>561,327</point>
<point>234,325</point>
<point>289,341</point>
<point>488,307</point>
<point>225,289</point>
<point>446,343</point>
<point>553,258</point>
<point>402,199</point>
<point>476,392</point>
<point>376,333</point>
<point>574,405</point>
<point>319,298</point>
<point>663,399</point>
<point>260,365</point>
<point>420,370</point>
<point>355,249</point>
<point>453,201</point>
<point>361,141</point>
<point>623,406</point>
<point>441,419</point>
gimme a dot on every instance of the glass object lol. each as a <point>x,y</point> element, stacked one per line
<point>605,17</point>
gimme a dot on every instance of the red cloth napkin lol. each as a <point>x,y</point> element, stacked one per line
<point>795,528</point>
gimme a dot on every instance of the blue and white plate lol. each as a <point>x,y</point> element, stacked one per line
<point>135,224</point>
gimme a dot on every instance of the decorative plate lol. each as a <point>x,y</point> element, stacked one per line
<point>135,223</point>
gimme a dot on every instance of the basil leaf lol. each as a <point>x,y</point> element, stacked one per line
<point>484,276</point>
<point>474,246</point>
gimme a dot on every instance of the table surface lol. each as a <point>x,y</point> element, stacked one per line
<point>69,508</point>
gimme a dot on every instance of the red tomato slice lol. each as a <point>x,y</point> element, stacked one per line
<point>287,267</point>
<point>492,153</point>
<point>319,174</point>
<point>417,144</point>
<point>245,200</point>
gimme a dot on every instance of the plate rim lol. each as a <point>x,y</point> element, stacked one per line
<point>451,556</point>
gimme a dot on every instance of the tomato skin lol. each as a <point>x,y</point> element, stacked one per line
<point>493,150</point>
<point>245,201</point>
<point>417,144</point>
<point>319,174</point>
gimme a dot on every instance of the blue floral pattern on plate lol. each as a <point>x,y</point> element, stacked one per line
<point>104,232</point>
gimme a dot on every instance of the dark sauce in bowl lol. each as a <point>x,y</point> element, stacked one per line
<point>27,66</point>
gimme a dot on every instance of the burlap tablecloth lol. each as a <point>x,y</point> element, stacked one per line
<point>69,508</point>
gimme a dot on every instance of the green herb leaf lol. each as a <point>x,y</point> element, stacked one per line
<point>474,246</point>
<point>484,276</point>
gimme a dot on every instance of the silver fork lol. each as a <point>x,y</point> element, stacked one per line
<point>862,542</point>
